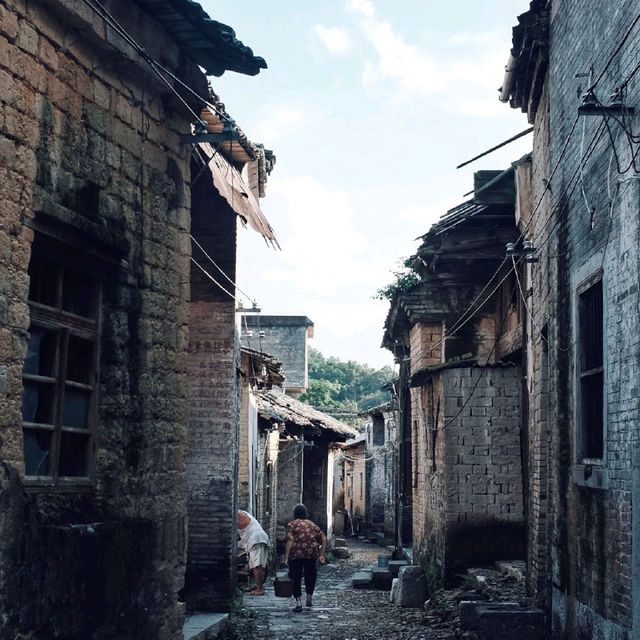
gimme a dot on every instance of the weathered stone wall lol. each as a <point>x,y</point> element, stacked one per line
<point>468,482</point>
<point>90,155</point>
<point>594,555</point>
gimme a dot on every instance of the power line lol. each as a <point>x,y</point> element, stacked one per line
<point>206,273</point>
<point>615,53</point>
<point>215,264</point>
<point>100,10</point>
<point>484,371</point>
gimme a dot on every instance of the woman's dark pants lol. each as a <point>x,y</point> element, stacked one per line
<point>296,569</point>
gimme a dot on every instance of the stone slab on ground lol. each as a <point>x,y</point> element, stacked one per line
<point>339,542</point>
<point>341,553</point>
<point>502,620</point>
<point>204,626</point>
<point>412,587</point>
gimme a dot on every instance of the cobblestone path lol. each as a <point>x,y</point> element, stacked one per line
<point>343,613</point>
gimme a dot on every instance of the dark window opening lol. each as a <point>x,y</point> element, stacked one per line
<point>591,372</point>
<point>377,429</point>
<point>59,375</point>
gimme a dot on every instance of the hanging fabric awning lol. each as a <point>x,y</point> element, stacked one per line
<point>231,186</point>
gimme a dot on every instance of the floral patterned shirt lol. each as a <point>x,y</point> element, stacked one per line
<point>306,537</point>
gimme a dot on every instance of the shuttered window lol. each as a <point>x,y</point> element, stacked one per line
<point>591,371</point>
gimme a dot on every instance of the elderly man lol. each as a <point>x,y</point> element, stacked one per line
<point>255,542</point>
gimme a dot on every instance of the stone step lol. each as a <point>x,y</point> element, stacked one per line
<point>381,577</point>
<point>204,626</point>
<point>361,580</point>
<point>394,566</point>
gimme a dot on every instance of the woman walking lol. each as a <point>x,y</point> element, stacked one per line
<point>306,545</point>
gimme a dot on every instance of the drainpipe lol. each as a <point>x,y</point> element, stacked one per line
<point>509,78</point>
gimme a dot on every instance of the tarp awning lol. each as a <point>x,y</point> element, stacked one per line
<point>231,186</point>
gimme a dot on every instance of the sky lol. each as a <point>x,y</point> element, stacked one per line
<point>369,105</point>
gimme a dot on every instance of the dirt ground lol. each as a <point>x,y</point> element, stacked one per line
<point>341,612</point>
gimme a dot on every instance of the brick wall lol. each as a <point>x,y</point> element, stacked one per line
<point>285,337</point>
<point>212,455</point>
<point>289,479</point>
<point>589,536</point>
<point>90,154</point>
<point>427,347</point>
<point>468,505</point>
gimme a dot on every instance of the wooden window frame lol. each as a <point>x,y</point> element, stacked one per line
<point>586,376</point>
<point>65,325</point>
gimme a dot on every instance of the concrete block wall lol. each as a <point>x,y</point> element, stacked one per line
<point>468,502</point>
<point>68,123</point>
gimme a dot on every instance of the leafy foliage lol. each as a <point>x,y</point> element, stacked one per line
<point>342,388</point>
<point>403,280</point>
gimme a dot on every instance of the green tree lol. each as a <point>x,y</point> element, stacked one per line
<point>343,388</point>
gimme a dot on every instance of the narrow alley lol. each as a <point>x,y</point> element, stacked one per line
<point>342,612</point>
<point>405,354</point>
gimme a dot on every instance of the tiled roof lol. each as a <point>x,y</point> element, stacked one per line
<point>210,44</point>
<point>275,405</point>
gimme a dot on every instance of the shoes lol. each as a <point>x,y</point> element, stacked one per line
<point>309,603</point>
<point>298,607</point>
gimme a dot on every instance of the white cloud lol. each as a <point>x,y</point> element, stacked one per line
<point>279,122</point>
<point>411,68</point>
<point>323,250</point>
<point>481,107</point>
<point>467,38</point>
<point>363,7</point>
<point>403,62</point>
<point>343,320</point>
<point>335,40</point>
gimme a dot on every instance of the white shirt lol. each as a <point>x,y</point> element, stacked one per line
<point>252,534</point>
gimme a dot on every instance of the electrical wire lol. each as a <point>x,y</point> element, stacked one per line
<point>105,15</point>
<point>388,447</point>
<point>206,273</point>
<point>485,369</point>
<point>101,11</point>
<point>215,264</point>
<point>615,53</point>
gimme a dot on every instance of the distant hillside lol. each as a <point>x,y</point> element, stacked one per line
<point>342,389</point>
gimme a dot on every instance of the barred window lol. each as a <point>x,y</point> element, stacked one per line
<point>59,375</point>
<point>590,314</point>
